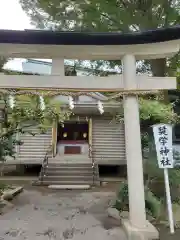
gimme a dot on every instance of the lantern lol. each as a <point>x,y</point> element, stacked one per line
<point>65,135</point>
<point>84,135</point>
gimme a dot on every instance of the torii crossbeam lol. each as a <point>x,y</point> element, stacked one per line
<point>85,84</point>
<point>58,46</point>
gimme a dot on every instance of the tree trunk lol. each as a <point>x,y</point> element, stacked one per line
<point>158,67</point>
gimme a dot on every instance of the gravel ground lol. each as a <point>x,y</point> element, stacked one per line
<point>60,215</point>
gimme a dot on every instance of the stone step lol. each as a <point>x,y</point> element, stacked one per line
<point>68,178</point>
<point>69,173</point>
<point>70,187</point>
<point>61,159</point>
<point>54,161</point>
<point>59,173</point>
<point>69,166</point>
<point>63,168</point>
<point>58,159</point>
<point>65,182</point>
<point>81,155</point>
<point>73,162</point>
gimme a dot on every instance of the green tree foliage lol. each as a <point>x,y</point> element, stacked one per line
<point>30,106</point>
<point>154,111</point>
<point>99,15</point>
<point>27,112</point>
<point>151,112</point>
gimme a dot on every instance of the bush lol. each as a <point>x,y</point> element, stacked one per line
<point>154,188</point>
<point>122,201</point>
<point>3,186</point>
<point>154,179</point>
<point>153,204</point>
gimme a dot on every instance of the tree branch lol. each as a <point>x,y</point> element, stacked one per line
<point>14,130</point>
<point>109,18</point>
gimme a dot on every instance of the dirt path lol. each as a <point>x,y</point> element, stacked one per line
<point>60,215</point>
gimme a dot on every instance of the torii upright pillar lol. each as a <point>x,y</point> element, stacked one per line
<point>133,146</point>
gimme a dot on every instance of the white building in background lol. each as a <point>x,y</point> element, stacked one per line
<point>43,67</point>
<point>37,66</point>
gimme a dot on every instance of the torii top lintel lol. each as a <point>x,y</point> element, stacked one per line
<point>157,43</point>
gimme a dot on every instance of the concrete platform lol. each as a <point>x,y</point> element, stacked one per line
<point>78,187</point>
<point>133,233</point>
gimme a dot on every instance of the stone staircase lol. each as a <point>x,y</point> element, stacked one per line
<point>63,173</point>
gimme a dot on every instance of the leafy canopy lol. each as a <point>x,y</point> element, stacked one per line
<point>154,111</point>
<point>100,15</point>
<point>26,113</point>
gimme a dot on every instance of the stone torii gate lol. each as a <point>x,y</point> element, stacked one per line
<point>58,46</point>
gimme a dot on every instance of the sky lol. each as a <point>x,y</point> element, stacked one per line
<point>13,17</point>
